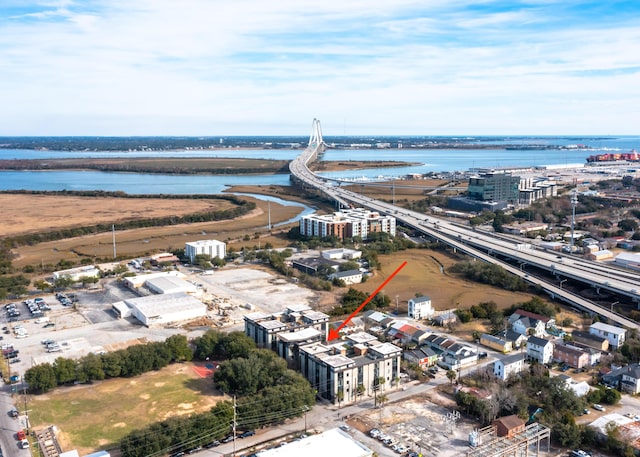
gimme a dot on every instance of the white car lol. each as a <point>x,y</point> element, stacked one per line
<point>24,444</point>
<point>598,407</point>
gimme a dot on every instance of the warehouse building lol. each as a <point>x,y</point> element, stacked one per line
<point>212,248</point>
<point>330,442</point>
<point>166,308</point>
<point>89,271</point>
<point>170,285</point>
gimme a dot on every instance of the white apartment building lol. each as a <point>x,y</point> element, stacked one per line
<point>212,248</point>
<point>336,375</point>
<point>347,223</point>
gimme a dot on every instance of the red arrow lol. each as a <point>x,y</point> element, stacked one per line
<point>333,334</point>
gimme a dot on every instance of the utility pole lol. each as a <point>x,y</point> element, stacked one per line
<point>113,231</point>
<point>234,425</point>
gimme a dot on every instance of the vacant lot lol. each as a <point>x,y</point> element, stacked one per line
<point>426,274</point>
<point>97,416</point>
<point>41,213</point>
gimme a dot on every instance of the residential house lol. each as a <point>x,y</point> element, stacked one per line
<point>420,308</point>
<point>598,342</point>
<point>508,426</point>
<point>625,378</point>
<point>570,355</point>
<point>528,323</point>
<point>423,356</point>
<point>496,343</point>
<point>511,365</point>
<point>615,335</point>
<point>445,319</point>
<point>539,349</point>
<point>518,340</point>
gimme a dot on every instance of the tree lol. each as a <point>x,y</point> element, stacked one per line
<point>41,378</point>
<point>360,390</point>
<point>382,399</point>
<point>65,370</point>
<point>451,375</point>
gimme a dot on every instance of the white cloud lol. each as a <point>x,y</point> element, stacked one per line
<point>166,67</point>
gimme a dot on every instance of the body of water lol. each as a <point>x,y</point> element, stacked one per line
<point>428,160</point>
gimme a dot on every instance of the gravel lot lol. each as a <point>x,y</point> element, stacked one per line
<point>91,325</point>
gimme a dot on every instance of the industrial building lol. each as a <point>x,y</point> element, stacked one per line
<point>348,223</point>
<point>326,443</point>
<point>628,260</point>
<point>167,282</point>
<point>162,309</point>
<point>89,271</point>
<point>212,248</point>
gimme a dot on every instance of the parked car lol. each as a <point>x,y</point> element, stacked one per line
<point>599,407</point>
<point>483,355</point>
<point>247,434</point>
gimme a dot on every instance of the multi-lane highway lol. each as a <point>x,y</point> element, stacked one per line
<point>491,248</point>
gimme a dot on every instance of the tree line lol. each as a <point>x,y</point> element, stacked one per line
<point>267,392</point>
<point>243,207</point>
<point>132,361</point>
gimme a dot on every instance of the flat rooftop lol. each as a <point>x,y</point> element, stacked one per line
<point>333,441</point>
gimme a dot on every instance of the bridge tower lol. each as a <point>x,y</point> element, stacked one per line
<point>316,133</point>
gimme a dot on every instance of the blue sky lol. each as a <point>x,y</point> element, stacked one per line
<point>254,67</point>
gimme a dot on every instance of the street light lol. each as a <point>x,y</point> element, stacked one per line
<point>614,303</point>
<point>561,282</point>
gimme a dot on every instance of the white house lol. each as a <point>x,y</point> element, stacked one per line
<point>615,335</point>
<point>539,349</point>
<point>509,366</point>
<point>420,307</point>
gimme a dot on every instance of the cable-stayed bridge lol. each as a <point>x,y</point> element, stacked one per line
<point>515,257</point>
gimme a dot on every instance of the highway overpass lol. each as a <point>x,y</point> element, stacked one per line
<point>489,247</point>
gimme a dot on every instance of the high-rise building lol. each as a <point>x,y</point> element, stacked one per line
<point>494,187</point>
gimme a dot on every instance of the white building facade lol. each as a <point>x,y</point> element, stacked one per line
<point>420,308</point>
<point>212,248</point>
<point>539,349</point>
<point>615,335</point>
<point>509,366</point>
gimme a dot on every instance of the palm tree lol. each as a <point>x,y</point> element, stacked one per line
<point>451,375</point>
<point>360,390</point>
<point>382,399</point>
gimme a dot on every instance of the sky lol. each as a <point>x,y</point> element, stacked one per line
<point>374,67</point>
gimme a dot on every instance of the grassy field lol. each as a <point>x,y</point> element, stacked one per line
<point>423,275</point>
<point>97,416</point>
<point>61,211</point>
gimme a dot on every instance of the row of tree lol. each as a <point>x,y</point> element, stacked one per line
<point>267,392</point>
<point>128,362</point>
